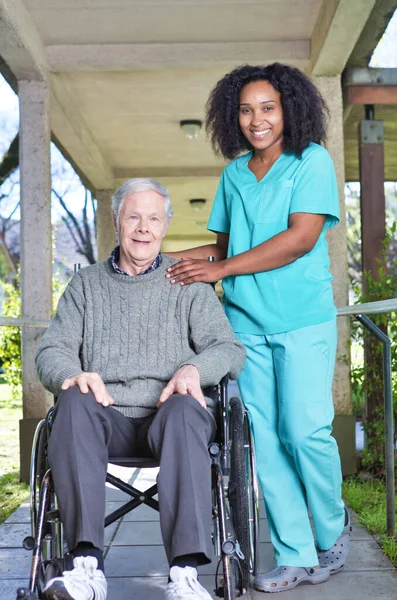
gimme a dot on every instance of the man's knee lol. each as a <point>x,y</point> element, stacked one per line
<point>71,411</point>
<point>74,402</point>
<point>181,415</point>
<point>184,409</point>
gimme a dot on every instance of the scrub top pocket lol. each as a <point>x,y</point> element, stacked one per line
<point>274,202</point>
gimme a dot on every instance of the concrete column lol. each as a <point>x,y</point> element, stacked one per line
<point>36,248</point>
<point>106,237</point>
<point>344,424</point>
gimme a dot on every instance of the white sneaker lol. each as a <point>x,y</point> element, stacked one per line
<point>84,582</point>
<point>184,585</point>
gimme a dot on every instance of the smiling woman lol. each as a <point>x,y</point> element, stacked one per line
<point>271,213</point>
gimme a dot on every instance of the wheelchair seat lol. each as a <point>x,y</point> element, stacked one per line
<point>139,463</point>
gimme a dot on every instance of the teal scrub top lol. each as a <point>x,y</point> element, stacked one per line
<point>251,212</point>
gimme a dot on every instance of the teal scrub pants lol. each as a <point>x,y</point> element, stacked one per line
<point>286,386</point>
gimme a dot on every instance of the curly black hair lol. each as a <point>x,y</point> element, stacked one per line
<point>305,111</point>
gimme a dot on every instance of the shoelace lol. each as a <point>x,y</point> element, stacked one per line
<point>85,571</point>
<point>189,586</point>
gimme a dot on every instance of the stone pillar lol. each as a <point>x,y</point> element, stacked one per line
<point>36,249</point>
<point>344,423</point>
<point>106,236</point>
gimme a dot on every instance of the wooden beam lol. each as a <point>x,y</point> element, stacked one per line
<point>337,29</point>
<point>369,94</point>
<point>128,57</point>
<point>373,219</point>
<point>20,43</point>
<point>370,76</point>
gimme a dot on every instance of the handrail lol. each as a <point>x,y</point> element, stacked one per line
<point>369,308</point>
<point>360,312</point>
<point>23,322</point>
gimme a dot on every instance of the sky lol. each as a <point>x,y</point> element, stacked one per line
<point>65,179</point>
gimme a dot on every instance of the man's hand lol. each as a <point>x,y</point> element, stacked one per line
<point>186,380</point>
<point>87,382</point>
<point>190,270</point>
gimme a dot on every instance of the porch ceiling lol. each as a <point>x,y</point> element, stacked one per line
<point>125,72</point>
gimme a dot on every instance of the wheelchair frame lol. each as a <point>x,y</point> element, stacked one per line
<point>235,509</point>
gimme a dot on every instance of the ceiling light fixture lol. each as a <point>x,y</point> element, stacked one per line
<point>191,128</point>
<point>197,203</point>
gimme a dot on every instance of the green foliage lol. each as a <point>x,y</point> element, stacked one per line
<point>3,267</point>
<point>368,499</point>
<point>10,340</point>
<point>10,337</point>
<point>368,380</point>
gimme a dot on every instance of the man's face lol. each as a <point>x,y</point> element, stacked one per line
<point>142,226</point>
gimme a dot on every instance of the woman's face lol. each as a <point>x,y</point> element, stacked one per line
<point>261,115</point>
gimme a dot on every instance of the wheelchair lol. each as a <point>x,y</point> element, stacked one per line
<point>235,510</point>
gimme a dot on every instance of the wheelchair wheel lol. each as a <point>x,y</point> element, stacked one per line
<point>243,491</point>
<point>46,540</point>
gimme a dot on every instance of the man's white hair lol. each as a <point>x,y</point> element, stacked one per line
<point>140,184</point>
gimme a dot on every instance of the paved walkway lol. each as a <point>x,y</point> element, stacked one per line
<point>136,566</point>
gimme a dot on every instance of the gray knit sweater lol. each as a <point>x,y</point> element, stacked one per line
<point>136,332</point>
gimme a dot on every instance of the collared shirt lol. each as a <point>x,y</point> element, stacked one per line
<point>115,257</point>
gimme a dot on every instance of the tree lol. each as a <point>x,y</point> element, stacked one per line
<point>10,161</point>
<point>65,181</point>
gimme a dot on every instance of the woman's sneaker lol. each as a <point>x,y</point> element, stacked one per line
<point>184,585</point>
<point>84,582</point>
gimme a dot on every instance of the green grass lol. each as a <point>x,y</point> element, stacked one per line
<point>368,499</point>
<point>10,414</point>
<point>12,492</point>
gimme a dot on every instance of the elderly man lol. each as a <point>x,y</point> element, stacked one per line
<point>128,354</point>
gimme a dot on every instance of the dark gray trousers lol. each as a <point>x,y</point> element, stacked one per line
<point>85,434</point>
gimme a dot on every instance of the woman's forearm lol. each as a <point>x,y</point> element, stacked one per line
<point>277,252</point>
<point>280,250</point>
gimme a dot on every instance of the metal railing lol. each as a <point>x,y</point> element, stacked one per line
<point>360,312</point>
<point>22,322</point>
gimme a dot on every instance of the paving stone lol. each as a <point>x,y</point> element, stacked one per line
<point>266,557</point>
<point>145,533</point>
<point>136,561</point>
<point>141,513</point>
<point>14,563</point>
<point>370,585</point>
<point>359,532</point>
<point>21,515</point>
<point>109,532</point>
<point>148,588</point>
<point>367,556</point>
<point>13,534</point>
<point>143,561</point>
<point>9,587</point>
<point>264,534</point>
<point>115,495</point>
<point>131,588</point>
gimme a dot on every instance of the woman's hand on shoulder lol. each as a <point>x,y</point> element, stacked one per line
<point>192,270</point>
